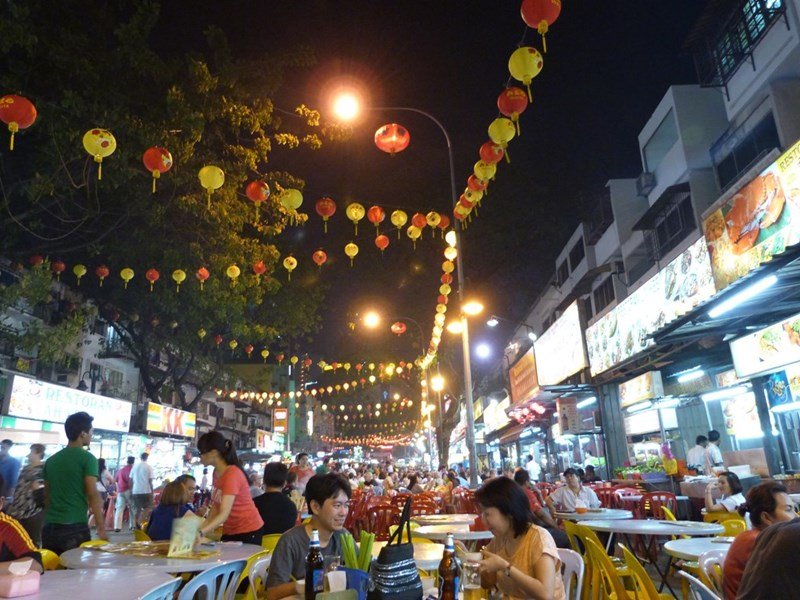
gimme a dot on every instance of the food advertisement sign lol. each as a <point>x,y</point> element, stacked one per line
<point>559,350</point>
<point>568,415</point>
<point>644,387</point>
<point>166,419</point>
<point>672,292</point>
<point>741,416</point>
<point>32,399</point>
<point>768,349</point>
<point>523,378</point>
<point>757,222</point>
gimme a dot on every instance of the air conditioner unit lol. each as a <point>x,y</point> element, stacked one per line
<point>645,183</point>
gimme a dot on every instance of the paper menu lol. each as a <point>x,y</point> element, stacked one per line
<point>184,535</point>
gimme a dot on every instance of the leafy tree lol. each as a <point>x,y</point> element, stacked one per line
<point>96,64</point>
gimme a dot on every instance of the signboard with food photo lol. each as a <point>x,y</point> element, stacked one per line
<point>741,416</point>
<point>768,349</point>
<point>559,351</point>
<point>757,222</point>
<point>523,378</point>
<point>625,331</point>
<point>644,387</point>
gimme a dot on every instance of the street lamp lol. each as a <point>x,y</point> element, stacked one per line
<point>494,321</point>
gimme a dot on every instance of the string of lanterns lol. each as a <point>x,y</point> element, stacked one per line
<point>368,440</point>
<point>389,368</point>
<point>446,279</point>
<point>345,423</point>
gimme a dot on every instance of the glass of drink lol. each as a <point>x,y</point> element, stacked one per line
<point>471,581</point>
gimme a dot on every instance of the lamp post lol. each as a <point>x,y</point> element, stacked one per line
<point>347,107</point>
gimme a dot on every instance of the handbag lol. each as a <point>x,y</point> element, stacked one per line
<point>394,573</point>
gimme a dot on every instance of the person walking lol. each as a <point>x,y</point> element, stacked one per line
<point>142,489</point>
<point>124,497</point>
<point>28,504</point>
<point>70,479</point>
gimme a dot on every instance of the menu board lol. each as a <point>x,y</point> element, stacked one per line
<point>741,416</point>
<point>757,222</point>
<point>644,387</point>
<point>166,419</point>
<point>767,349</point>
<point>675,290</point>
<point>523,378</point>
<point>559,350</point>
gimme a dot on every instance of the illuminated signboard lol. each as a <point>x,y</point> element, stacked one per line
<point>759,221</point>
<point>559,350</point>
<point>264,441</point>
<point>568,420</point>
<point>32,399</point>
<point>494,415</point>
<point>523,378</point>
<point>768,349</point>
<point>644,387</point>
<point>280,420</point>
<point>166,419</point>
<point>625,331</point>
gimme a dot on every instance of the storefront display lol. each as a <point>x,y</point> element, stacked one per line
<point>559,351</point>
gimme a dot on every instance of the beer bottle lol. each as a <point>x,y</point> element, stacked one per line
<point>315,568</point>
<point>449,571</point>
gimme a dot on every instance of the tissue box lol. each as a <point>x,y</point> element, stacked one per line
<point>12,586</point>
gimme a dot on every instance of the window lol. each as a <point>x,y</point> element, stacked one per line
<point>661,142</point>
<point>674,226</point>
<point>587,307</point>
<point>604,294</point>
<point>563,273</point>
<point>576,255</point>
<point>762,138</point>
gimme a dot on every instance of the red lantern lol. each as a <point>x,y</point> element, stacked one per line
<point>152,275</point>
<point>398,328</point>
<point>376,215</point>
<point>319,257</point>
<point>512,102</point>
<point>419,220</point>
<point>359,366</point>
<point>325,207</point>
<point>444,223</point>
<point>307,363</point>
<point>158,161</point>
<point>248,350</point>
<point>257,192</point>
<point>202,275</point>
<point>58,267</point>
<point>36,260</point>
<point>447,278</point>
<point>259,268</point>
<point>491,153</point>
<point>382,242</point>
<point>540,15</point>
<point>392,138</point>
<point>465,202</point>
<point>279,357</point>
<point>18,113</point>
<point>218,339</point>
<point>102,272</point>
<point>476,184</point>
<point>442,299</point>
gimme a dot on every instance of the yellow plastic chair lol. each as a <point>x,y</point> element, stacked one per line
<point>645,588</point>
<point>733,527</point>
<point>50,560</point>
<point>605,581</point>
<point>140,536</point>
<point>245,576</point>
<point>719,516</point>
<point>573,537</point>
<point>416,540</point>
<point>584,534</point>
<point>269,541</point>
<point>92,543</point>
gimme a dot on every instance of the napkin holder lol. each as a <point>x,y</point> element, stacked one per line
<point>17,579</point>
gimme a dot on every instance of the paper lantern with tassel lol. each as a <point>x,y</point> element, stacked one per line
<point>418,219</point>
<point>257,192</point>
<point>158,161</point>
<point>351,250</point>
<point>484,171</point>
<point>512,102</point>
<point>319,257</point>
<point>178,276</point>
<point>211,178</point>
<point>355,212</point>
<point>233,273</point>
<point>291,199</point>
<point>414,233</point>
<point>376,215</point>
<point>126,275</point>
<point>79,271</point>
<point>259,268</point>
<point>433,219</point>
<point>264,354</point>
<point>202,274</point>
<point>325,208</point>
<point>392,138</point>
<point>524,64</point>
<point>100,144</point>
<point>102,272</point>
<point>540,15</point>
<point>398,218</point>
<point>382,242</point>
<point>58,267</point>
<point>152,275</point>
<point>444,223</point>
<point>18,113</point>
<point>502,131</point>
<point>290,264</point>
<point>490,152</point>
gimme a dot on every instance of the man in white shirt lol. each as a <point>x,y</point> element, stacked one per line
<point>566,498</point>
<point>713,456</point>
<point>696,457</point>
<point>533,468</point>
<point>142,489</point>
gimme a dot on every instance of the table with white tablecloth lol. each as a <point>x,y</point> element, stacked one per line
<point>98,584</point>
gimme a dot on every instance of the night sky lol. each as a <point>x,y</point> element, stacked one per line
<point>607,66</point>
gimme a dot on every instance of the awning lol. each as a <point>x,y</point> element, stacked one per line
<point>668,198</point>
<point>512,435</point>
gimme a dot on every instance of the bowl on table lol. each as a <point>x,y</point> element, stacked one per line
<point>581,510</point>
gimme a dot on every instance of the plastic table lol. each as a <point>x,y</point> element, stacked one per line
<point>427,556</point>
<point>692,548</point>
<point>458,519</point>
<point>595,514</point>
<point>98,584</point>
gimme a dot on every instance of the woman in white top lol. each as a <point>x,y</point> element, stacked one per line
<point>730,486</point>
<point>568,497</point>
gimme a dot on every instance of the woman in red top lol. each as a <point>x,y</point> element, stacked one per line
<point>232,505</point>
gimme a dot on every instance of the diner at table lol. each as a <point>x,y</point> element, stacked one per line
<point>730,487</point>
<point>572,495</point>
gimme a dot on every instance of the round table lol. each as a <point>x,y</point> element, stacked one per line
<point>655,527</point>
<point>98,584</point>
<point>692,548</point>
<point>595,514</point>
<point>95,558</point>
<point>427,556</point>
<point>459,519</point>
<point>460,532</point>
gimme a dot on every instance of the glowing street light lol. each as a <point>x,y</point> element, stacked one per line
<point>472,308</point>
<point>483,350</point>
<point>455,327</point>
<point>492,322</point>
<point>372,319</point>
<point>346,106</point>
<point>437,383</point>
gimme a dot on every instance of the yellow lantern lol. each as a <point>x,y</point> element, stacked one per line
<point>211,178</point>
<point>441,308</point>
<point>233,273</point>
<point>355,212</point>
<point>450,253</point>
<point>445,289</point>
<point>100,144</point>
<point>473,196</point>
<point>201,333</point>
<point>502,131</point>
<point>484,171</point>
<point>293,360</point>
<point>414,233</point>
<point>524,64</point>
<point>79,270</point>
<point>448,266</point>
<point>178,276</point>
<point>233,344</point>
<point>433,219</point>
<point>351,250</point>
<point>290,264</point>
<point>264,354</point>
<point>126,274</point>
<point>291,199</point>
<point>398,218</point>
<point>438,318</point>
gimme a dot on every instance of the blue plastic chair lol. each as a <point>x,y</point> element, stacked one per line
<point>165,591</point>
<point>219,583</point>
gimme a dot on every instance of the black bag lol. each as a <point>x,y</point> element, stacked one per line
<point>394,574</point>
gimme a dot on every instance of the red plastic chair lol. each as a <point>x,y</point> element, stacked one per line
<point>420,508</point>
<point>399,500</point>
<point>607,496</point>
<point>652,502</point>
<point>380,518</point>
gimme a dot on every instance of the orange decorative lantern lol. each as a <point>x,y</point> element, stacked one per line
<point>512,102</point>
<point>36,260</point>
<point>447,278</point>
<point>476,184</point>
<point>540,15</point>
<point>152,275</point>
<point>218,339</point>
<point>418,219</point>
<point>257,192</point>
<point>490,153</point>
<point>18,113</point>
<point>248,350</point>
<point>158,161</point>
<point>102,272</point>
<point>319,257</point>
<point>376,215</point>
<point>259,268</point>
<point>279,357</point>
<point>382,242</point>
<point>398,328</point>
<point>392,138</point>
<point>444,223</point>
<point>442,299</point>
<point>325,208</point>
<point>202,275</point>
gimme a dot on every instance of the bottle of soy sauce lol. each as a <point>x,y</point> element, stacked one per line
<point>315,568</point>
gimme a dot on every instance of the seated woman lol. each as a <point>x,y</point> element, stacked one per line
<point>730,486</point>
<point>172,506</point>
<point>767,503</point>
<point>522,559</point>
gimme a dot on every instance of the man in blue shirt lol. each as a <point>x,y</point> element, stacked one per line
<point>9,470</point>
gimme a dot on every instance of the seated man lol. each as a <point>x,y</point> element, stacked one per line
<point>277,511</point>
<point>567,497</point>
<point>15,543</point>
<point>541,516</point>
<point>328,500</point>
<point>772,571</point>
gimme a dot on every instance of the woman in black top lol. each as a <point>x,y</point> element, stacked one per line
<point>278,512</point>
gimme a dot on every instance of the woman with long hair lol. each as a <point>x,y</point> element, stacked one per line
<point>232,505</point>
<point>522,559</point>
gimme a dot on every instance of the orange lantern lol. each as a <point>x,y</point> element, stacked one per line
<point>382,242</point>
<point>257,192</point>
<point>58,267</point>
<point>152,276</point>
<point>444,223</point>
<point>392,138</point>
<point>18,113</point>
<point>490,153</point>
<point>376,215</point>
<point>447,278</point>
<point>259,268</point>
<point>398,328</point>
<point>540,15</point>
<point>248,350</point>
<point>319,257</point>
<point>418,219</point>
<point>158,161</point>
<point>512,102</point>
<point>476,184</point>
<point>325,208</point>
<point>202,275</point>
<point>102,272</point>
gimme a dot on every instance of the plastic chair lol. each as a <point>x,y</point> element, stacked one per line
<point>140,536</point>
<point>652,503</point>
<point>380,518</point>
<point>573,537</point>
<point>698,589</point>
<point>269,541</point>
<point>165,591</point>
<point>218,583</point>
<point>644,586</point>
<point>50,560</point>
<point>607,496</point>
<point>92,543</point>
<point>250,594</point>
<point>420,508</point>
<point>711,569</point>
<point>605,581</point>
<point>733,527</point>
<point>574,569</point>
